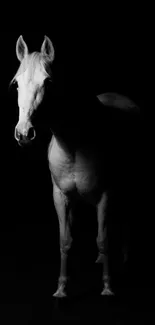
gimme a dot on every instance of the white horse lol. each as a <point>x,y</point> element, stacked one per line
<point>83,158</point>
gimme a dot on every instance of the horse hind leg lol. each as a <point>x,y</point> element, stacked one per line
<point>102,244</point>
<point>62,206</point>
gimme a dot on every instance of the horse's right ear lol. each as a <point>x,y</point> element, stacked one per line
<point>21,48</point>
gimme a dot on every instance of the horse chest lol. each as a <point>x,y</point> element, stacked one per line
<point>69,173</point>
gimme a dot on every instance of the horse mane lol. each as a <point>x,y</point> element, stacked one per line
<point>30,62</point>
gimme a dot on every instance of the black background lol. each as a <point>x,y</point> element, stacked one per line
<point>84,63</point>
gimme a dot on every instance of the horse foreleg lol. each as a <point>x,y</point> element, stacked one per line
<point>62,206</point>
<point>102,244</point>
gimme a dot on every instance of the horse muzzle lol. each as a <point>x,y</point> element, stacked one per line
<point>24,139</point>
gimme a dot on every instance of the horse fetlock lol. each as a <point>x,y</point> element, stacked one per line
<point>100,258</point>
<point>60,293</point>
<point>61,290</point>
<point>107,292</point>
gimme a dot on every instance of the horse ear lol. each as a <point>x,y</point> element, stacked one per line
<point>21,48</point>
<point>47,49</point>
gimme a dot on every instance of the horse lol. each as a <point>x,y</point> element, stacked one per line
<point>87,153</point>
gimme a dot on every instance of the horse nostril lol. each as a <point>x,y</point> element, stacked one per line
<point>31,133</point>
<point>25,139</point>
<point>17,135</point>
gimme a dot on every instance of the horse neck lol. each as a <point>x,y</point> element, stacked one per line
<point>74,127</point>
<point>65,138</point>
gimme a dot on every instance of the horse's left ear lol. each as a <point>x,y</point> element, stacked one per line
<point>47,49</point>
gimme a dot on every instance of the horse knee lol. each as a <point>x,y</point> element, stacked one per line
<point>102,245</point>
<point>65,245</point>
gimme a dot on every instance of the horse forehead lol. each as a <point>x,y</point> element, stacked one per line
<point>39,75</point>
<point>36,77</point>
<point>23,77</point>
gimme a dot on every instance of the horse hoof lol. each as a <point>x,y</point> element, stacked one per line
<point>60,293</point>
<point>107,292</point>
